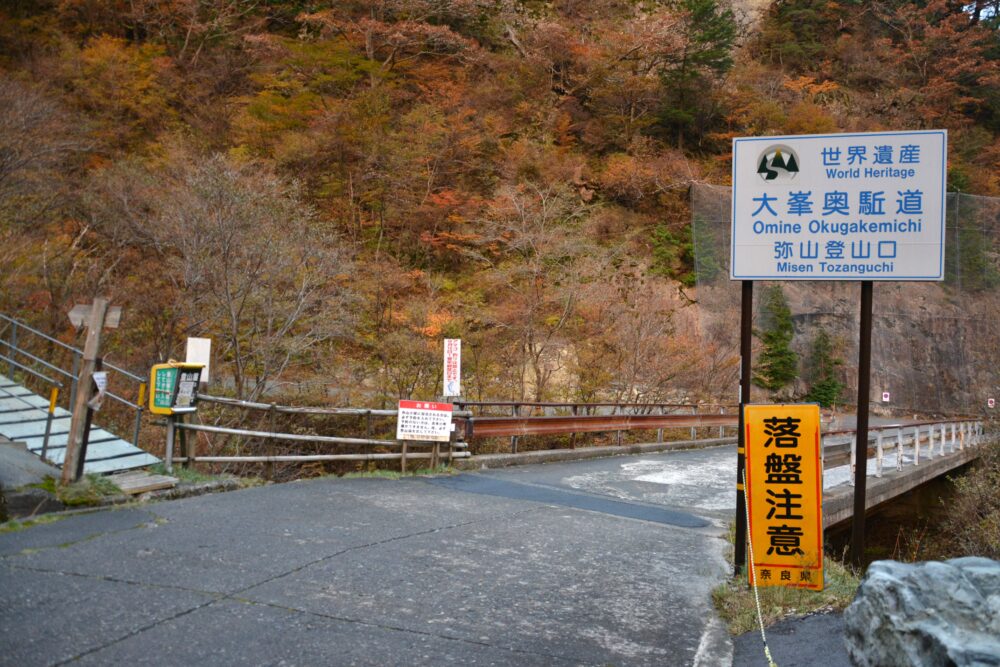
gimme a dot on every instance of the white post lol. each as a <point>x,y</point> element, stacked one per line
<point>941,449</point>
<point>953,437</point>
<point>854,456</point>
<point>899,449</point>
<point>878,454</point>
<point>916,445</point>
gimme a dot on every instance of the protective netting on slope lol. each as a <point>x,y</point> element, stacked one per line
<point>935,346</point>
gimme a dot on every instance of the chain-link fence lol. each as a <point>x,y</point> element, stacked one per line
<point>936,346</point>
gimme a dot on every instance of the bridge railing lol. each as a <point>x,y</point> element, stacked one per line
<point>937,438</point>
<point>590,417</point>
<point>927,438</point>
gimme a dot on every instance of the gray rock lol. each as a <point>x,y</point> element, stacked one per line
<point>935,613</point>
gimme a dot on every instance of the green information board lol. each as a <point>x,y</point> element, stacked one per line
<point>164,382</point>
<point>174,387</point>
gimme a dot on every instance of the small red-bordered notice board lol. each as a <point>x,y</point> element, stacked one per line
<point>424,421</point>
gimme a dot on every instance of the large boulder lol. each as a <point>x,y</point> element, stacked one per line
<point>935,613</point>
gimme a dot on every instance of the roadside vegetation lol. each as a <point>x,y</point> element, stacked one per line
<point>735,602</point>
<point>373,472</point>
<point>974,514</point>
<point>89,490</point>
<point>15,525</point>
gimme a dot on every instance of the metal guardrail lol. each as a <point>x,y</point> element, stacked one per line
<point>592,407</point>
<point>587,418</point>
<point>17,356</point>
<point>493,427</point>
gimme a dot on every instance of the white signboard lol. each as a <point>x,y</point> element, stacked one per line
<point>991,402</point>
<point>199,351</point>
<point>101,384</point>
<point>839,207</point>
<point>452,367</point>
<point>187,387</point>
<point>885,397</point>
<point>420,420</point>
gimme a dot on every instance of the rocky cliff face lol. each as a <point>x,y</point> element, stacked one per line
<point>934,348</point>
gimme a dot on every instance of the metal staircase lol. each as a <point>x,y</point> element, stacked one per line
<point>24,414</point>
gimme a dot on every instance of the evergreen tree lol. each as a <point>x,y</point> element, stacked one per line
<point>709,33</point>
<point>778,365</point>
<point>825,386</point>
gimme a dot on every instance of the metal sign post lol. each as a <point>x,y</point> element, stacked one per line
<point>839,207</point>
<point>861,434</point>
<point>746,341</point>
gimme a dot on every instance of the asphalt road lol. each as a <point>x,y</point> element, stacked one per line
<point>587,563</point>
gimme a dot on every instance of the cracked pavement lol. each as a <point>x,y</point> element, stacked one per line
<point>367,572</point>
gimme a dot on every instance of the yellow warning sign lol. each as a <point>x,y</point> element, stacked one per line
<point>785,494</point>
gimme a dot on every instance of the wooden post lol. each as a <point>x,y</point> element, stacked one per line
<point>402,458</point>
<point>91,350</point>
<point>81,455</point>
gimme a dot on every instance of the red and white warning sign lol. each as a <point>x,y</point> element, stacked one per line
<point>452,366</point>
<point>420,420</point>
<point>885,397</point>
<point>991,402</point>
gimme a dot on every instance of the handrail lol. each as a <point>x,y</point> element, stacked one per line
<point>38,360</point>
<point>75,350</point>
<point>287,409</point>
<point>18,323</point>
<point>130,375</point>
<point>609,404</point>
<point>16,326</point>
<point>455,449</point>
<point>491,427</point>
<point>297,437</point>
<point>28,369</point>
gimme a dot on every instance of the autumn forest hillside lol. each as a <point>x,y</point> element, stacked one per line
<point>328,190</point>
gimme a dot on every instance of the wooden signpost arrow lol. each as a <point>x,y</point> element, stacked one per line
<point>95,323</point>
